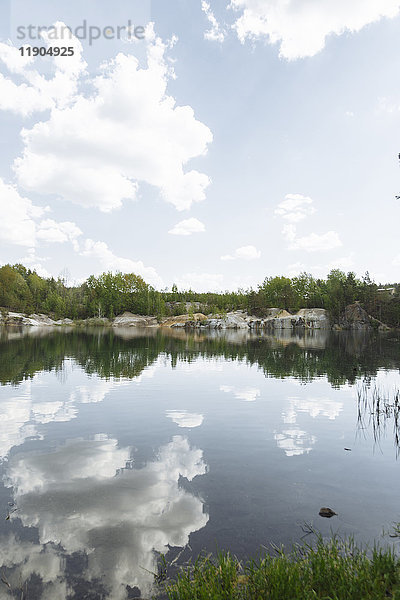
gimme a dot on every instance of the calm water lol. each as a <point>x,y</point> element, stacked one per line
<point>116,445</point>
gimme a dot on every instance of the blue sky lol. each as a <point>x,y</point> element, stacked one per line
<point>236,141</point>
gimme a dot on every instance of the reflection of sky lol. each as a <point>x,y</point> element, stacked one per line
<point>323,406</point>
<point>248,394</point>
<point>31,404</point>
<point>87,497</point>
<point>183,418</point>
<point>44,561</point>
<point>20,415</point>
<point>294,441</point>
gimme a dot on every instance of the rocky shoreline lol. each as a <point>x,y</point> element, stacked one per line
<point>354,318</point>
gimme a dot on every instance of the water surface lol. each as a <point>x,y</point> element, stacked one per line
<point>118,445</point>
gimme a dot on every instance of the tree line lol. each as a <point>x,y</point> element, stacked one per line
<point>110,294</point>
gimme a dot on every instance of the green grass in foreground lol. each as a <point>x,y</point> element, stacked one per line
<point>333,570</point>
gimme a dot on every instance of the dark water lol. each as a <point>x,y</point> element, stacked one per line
<point>116,445</point>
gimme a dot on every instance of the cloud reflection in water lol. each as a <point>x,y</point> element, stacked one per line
<point>88,497</point>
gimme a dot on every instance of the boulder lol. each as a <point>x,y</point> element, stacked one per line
<point>314,318</point>
<point>326,512</point>
<point>65,321</point>
<point>184,320</point>
<point>128,319</point>
<point>355,317</point>
<point>15,318</point>
<point>283,320</point>
<point>232,320</point>
<point>41,319</point>
<point>278,319</point>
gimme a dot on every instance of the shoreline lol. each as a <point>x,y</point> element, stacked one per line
<point>354,318</point>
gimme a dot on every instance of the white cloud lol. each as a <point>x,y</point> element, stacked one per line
<point>289,232</point>
<point>36,92</point>
<point>18,216</point>
<point>295,207</point>
<point>187,227</point>
<point>301,27</point>
<point>244,252</point>
<point>201,282</point>
<point>111,262</point>
<point>215,33</point>
<point>315,242</point>
<point>21,226</point>
<point>51,231</point>
<point>97,146</point>
<point>396,261</point>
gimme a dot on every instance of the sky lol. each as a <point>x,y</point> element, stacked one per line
<point>208,144</point>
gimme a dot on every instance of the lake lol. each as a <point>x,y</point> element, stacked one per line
<point>118,445</point>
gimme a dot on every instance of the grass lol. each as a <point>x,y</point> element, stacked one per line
<point>382,407</point>
<point>327,570</point>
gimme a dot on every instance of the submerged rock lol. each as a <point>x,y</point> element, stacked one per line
<point>326,512</point>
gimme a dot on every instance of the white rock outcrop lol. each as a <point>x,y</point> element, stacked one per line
<point>232,320</point>
<point>128,319</point>
<point>307,318</point>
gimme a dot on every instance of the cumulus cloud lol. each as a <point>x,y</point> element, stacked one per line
<point>313,242</point>
<point>106,134</point>
<point>216,33</point>
<point>36,93</point>
<point>51,231</point>
<point>301,27</point>
<point>20,224</point>
<point>244,253</point>
<point>295,207</point>
<point>110,262</point>
<point>187,227</point>
<point>18,214</point>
